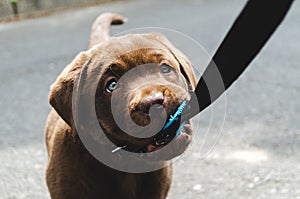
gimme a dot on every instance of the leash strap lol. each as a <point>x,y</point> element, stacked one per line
<point>249,33</point>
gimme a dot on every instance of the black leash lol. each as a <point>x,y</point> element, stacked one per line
<point>249,33</point>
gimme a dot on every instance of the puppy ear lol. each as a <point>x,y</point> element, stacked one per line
<point>185,65</point>
<point>186,68</point>
<point>61,90</point>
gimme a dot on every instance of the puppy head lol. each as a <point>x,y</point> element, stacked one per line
<point>162,78</point>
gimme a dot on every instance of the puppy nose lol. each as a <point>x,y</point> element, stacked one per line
<point>149,101</point>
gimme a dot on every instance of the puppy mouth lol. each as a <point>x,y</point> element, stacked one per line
<point>177,133</point>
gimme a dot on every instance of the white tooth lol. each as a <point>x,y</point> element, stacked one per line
<point>156,143</point>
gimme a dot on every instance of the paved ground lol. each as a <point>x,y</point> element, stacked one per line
<point>257,155</point>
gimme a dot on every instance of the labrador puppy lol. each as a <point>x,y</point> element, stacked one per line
<point>164,79</point>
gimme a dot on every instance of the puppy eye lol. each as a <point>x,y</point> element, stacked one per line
<point>111,86</point>
<point>165,68</point>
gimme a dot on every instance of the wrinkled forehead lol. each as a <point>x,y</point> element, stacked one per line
<point>130,51</point>
<point>142,57</point>
<point>125,52</point>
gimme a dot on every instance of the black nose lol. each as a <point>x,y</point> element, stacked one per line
<point>151,100</point>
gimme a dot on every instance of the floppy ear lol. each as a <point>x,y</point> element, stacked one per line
<point>185,65</point>
<point>61,90</point>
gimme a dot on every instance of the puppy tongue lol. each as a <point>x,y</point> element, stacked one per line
<point>151,147</point>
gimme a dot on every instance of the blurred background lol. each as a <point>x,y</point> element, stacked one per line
<point>10,9</point>
<point>256,124</point>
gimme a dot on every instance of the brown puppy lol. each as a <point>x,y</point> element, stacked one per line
<point>72,171</point>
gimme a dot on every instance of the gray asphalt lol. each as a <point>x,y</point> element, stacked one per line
<point>257,155</point>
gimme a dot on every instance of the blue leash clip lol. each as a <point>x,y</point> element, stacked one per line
<point>175,117</point>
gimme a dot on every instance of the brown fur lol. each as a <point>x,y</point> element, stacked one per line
<point>72,172</point>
